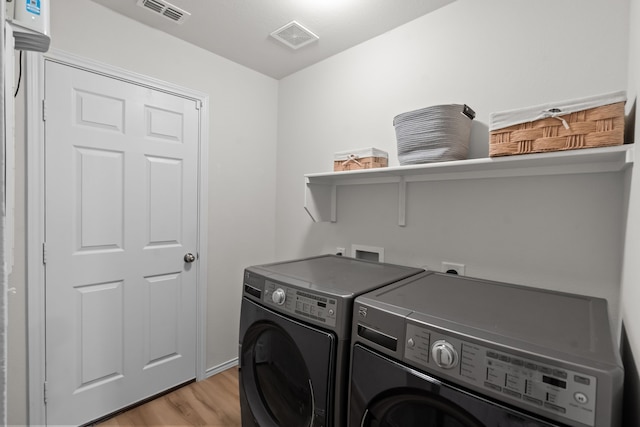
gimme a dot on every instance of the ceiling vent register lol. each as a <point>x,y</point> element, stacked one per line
<point>294,35</point>
<point>165,9</point>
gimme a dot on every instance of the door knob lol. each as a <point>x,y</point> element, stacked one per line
<point>189,257</point>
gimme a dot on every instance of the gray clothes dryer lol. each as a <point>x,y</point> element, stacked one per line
<point>450,351</point>
<point>295,328</point>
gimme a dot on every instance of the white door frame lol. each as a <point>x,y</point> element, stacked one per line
<point>35,212</point>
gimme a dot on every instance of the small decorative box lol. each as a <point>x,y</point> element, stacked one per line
<point>362,158</point>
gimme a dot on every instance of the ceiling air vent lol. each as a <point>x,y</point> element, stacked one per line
<point>165,9</point>
<point>294,35</point>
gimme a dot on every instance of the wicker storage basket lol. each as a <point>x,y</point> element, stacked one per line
<point>363,158</point>
<point>585,123</point>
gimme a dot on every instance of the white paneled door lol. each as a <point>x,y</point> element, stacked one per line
<point>121,218</point>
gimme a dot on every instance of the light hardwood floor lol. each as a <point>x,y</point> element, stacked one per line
<point>211,402</point>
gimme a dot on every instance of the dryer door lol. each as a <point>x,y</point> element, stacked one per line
<point>286,370</point>
<point>386,393</point>
<point>415,408</point>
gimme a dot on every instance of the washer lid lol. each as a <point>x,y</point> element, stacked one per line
<point>339,275</point>
<point>530,318</point>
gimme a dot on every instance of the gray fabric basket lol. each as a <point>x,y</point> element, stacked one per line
<point>434,134</point>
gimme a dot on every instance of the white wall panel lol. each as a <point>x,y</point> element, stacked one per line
<point>553,232</point>
<point>164,124</point>
<point>161,318</point>
<point>164,180</point>
<point>630,294</point>
<point>101,341</point>
<point>99,199</point>
<point>92,109</point>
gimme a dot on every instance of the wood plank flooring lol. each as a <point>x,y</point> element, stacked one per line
<point>212,402</point>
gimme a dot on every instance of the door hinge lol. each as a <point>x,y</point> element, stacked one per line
<point>44,110</point>
<point>44,392</point>
<point>44,253</point>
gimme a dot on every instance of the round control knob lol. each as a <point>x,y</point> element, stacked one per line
<point>279,296</point>
<point>444,354</point>
<point>411,343</point>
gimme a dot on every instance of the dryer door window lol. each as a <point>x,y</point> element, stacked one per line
<point>387,393</point>
<point>282,378</point>
<point>287,370</point>
<point>414,409</point>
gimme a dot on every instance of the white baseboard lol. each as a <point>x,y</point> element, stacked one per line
<point>222,367</point>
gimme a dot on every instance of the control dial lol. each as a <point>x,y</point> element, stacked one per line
<point>444,354</point>
<point>278,296</point>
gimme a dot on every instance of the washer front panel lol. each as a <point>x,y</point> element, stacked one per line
<point>303,304</point>
<point>541,387</point>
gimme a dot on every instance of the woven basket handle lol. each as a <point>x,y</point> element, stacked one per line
<point>352,158</point>
<point>467,111</point>
<point>554,113</point>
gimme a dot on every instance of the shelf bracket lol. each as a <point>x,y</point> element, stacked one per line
<point>629,156</point>
<point>320,201</point>
<point>334,203</point>
<point>402,202</point>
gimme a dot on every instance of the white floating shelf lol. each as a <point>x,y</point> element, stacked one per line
<point>320,188</point>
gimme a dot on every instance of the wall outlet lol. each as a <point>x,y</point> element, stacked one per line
<point>341,251</point>
<point>452,268</point>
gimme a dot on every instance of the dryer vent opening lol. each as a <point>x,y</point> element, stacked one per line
<point>367,253</point>
<point>368,256</point>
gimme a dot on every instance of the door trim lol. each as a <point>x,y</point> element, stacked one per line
<point>35,211</point>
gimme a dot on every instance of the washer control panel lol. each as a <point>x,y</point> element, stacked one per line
<point>303,304</point>
<point>540,387</point>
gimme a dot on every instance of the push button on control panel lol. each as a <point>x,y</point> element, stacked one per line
<point>581,380</point>
<point>581,398</point>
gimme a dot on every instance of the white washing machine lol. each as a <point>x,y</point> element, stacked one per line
<point>449,351</point>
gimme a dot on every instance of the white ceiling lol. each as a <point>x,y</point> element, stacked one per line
<point>239,30</point>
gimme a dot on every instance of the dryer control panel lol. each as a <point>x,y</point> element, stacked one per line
<point>301,303</point>
<point>540,387</point>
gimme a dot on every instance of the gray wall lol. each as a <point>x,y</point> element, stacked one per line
<point>17,359</point>
<point>630,294</point>
<point>557,232</point>
<point>242,141</point>
<point>561,232</point>
<point>241,164</point>
<point>3,277</point>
